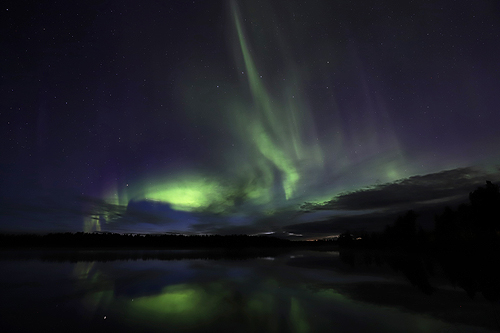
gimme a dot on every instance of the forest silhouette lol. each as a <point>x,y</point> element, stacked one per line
<point>473,226</point>
<point>465,245</point>
<point>139,241</point>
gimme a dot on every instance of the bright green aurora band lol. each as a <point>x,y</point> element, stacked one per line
<point>276,158</point>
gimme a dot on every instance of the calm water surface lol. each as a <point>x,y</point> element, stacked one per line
<point>294,292</point>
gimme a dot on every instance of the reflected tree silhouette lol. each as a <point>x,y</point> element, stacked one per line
<point>464,243</point>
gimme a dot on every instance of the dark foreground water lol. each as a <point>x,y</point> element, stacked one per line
<point>292,292</point>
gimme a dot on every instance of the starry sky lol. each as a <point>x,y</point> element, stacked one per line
<point>296,118</point>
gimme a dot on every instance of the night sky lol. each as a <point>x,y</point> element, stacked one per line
<point>292,117</point>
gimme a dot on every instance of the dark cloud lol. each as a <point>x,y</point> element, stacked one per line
<point>252,224</point>
<point>372,208</point>
<point>337,225</point>
<point>442,186</point>
<point>369,209</point>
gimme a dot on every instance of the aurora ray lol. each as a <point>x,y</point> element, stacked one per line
<point>234,114</point>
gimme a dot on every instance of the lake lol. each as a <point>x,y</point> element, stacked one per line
<point>186,291</point>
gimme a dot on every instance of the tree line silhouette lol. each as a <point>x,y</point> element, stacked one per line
<point>464,244</point>
<point>115,240</point>
<point>472,226</point>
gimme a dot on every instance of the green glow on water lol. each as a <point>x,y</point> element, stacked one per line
<point>298,317</point>
<point>181,306</point>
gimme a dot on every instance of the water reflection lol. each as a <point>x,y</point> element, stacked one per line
<point>297,292</point>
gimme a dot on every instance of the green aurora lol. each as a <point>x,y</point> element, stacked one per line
<point>279,156</point>
<point>231,116</point>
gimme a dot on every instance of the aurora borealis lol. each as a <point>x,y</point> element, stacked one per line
<point>285,294</point>
<point>243,116</point>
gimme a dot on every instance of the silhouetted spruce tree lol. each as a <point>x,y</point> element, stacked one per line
<point>476,223</point>
<point>345,239</point>
<point>403,233</point>
<point>406,225</point>
<point>485,203</point>
<point>446,227</point>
